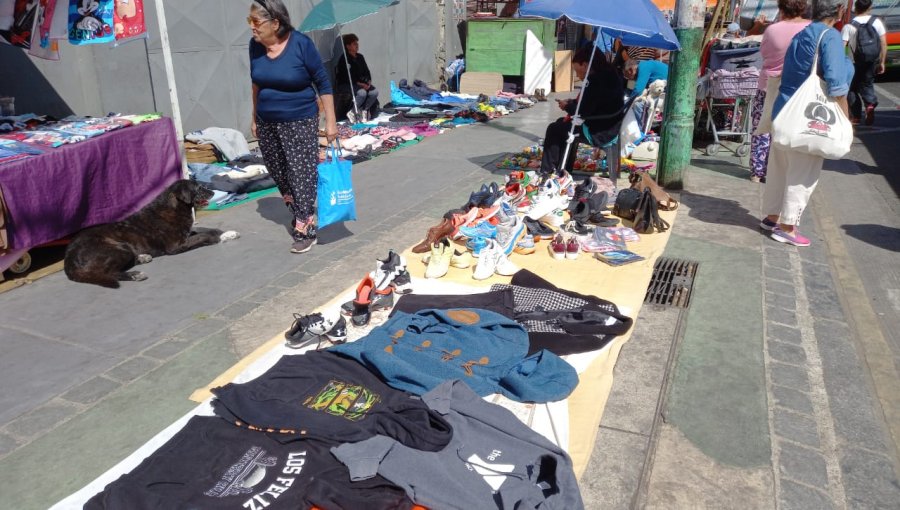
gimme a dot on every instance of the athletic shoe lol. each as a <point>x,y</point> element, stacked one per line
<point>387,269</point>
<point>509,235</point>
<point>476,244</point>
<point>767,224</point>
<point>555,219</point>
<point>482,229</point>
<point>578,228</point>
<point>299,333</point>
<point>525,246</point>
<point>870,114</point>
<point>402,283</point>
<point>303,245</point>
<point>492,261</point>
<point>795,238</point>
<point>557,247</point>
<point>316,327</point>
<point>545,204</point>
<point>439,262</point>
<point>538,229</point>
<point>573,248</point>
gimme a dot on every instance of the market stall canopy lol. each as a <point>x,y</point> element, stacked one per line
<point>669,5</point>
<point>636,22</point>
<point>330,13</point>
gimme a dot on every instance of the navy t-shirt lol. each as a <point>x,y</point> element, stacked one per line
<point>285,82</point>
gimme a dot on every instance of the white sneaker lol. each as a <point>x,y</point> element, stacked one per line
<point>509,234</point>
<point>351,117</point>
<point>492,260</point>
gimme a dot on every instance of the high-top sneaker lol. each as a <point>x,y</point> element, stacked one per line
<point>402,283</point>
<point>387,269</point>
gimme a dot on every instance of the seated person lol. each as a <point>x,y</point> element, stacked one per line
<point>603,97</point>
<point>644,73</point>
<point>360,78</point>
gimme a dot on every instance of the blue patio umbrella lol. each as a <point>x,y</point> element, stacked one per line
<point>636,22</point>
<point>334,13</point>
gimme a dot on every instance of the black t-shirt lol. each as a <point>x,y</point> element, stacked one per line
<point>323,395</point>
<point>213,464</point>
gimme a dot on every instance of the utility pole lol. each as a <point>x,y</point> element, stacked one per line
<point>678,129</point>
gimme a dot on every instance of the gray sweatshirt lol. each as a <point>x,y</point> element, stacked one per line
<point>492,461</point>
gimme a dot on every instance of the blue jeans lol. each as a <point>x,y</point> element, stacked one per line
<point>365,99</point>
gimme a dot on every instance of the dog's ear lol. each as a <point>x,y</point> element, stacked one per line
<point>185,192</point>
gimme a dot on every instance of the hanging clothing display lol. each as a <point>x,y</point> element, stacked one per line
<point>493,461</point>
<point>42,46</point>
<point>24,17</point>
<point>211,464</point>
<point>91,21</point>
<point>128,18</point>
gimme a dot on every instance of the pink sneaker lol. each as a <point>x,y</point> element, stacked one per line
<point>783,237</point>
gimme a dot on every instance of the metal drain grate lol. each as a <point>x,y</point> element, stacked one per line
<point>672,282</point>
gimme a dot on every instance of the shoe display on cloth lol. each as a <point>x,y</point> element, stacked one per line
<point>525,246</point>
<point>459,260</point>
<point>439,260</point>
<point>492,261</point>
<point>870,114</point>
<point>767,224</point>
<point>303,245</point>
<point>402,283</point>
<point>573,248</point>
<point>793,238</point>
<point>538,229</point>
<point>546,204</point>
<point>444,229</point>
<point>557,247</point>
<point>387,269</point>
<point>555,219</point>
<point>509,234</point>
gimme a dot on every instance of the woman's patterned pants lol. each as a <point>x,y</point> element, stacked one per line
<point>759,144</point>
<point>291,152</point>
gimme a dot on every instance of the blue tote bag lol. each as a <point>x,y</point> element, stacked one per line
<point>335,198</point>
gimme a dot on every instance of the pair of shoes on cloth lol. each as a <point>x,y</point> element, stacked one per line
<point>316,327</point>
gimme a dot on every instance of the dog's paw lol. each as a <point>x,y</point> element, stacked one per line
<point>144,258</point>
<point>136,276</point>
<point>229,236</point>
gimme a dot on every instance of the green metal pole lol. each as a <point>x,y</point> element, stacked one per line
<point>681,95</point>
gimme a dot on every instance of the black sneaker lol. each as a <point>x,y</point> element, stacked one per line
<point>338,333</point>
<point>578,228</point>
<point>538,230</point>
<point>299,333</point>
<point>382,300</point>
<point>402,283</point>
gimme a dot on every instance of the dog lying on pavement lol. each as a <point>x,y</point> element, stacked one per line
<point>102,255</point>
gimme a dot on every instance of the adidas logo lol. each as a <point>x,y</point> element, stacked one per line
<point>493,474</point>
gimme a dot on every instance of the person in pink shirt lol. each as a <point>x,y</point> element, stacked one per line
<point>775,42</point>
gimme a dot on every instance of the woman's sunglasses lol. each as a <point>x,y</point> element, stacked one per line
<point>256,23</point>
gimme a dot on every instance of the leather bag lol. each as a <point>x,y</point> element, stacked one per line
<point>642,180</point>
<point>627,203</point>
<point>647,220</point>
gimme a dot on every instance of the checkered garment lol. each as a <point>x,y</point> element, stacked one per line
<point>527,299</point>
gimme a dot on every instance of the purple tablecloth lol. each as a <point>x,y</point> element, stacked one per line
<point>99,180</point>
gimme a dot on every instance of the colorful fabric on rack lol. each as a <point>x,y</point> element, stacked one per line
<point>42,46</point>
<point>129,19</point>
<point>91,21</point>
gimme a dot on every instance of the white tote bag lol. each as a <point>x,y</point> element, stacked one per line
<point>765,119</point>
<point>812,122</point>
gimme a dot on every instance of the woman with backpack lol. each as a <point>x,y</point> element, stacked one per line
<point>865,35</point>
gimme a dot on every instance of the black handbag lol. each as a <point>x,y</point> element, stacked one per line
<point>627,203</point>
<point>647,220</point>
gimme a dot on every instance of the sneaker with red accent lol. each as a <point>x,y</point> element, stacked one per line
<point>573,248</point>
<point>557,247</point>
<point>793,238</point>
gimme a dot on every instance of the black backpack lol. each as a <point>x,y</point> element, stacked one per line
<point>868,42</point>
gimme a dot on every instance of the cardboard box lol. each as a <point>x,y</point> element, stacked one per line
<point>563,75</point>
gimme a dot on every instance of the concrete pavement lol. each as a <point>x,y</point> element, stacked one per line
<point>771,390</point>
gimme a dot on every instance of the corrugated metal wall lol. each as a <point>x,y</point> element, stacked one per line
<point>209,41</point>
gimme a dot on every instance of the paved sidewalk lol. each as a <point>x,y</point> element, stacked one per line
<point>760,395</point>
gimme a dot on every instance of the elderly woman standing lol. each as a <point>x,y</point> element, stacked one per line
<point>775,42</point>
<point>287,75</point>
<point>793,175</point>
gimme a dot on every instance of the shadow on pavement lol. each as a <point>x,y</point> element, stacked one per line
<point>731,168</point>
<point>719,211</point>
<point>880,236</point>
<point>333,233</point>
